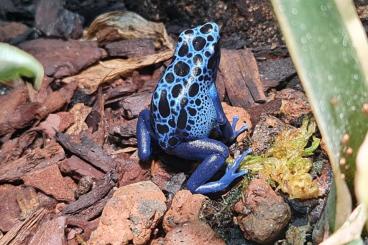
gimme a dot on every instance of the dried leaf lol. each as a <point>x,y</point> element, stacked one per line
<point>130,25</point>
<point>91,78</point>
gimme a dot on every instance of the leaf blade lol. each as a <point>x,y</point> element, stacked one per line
<point>334,78</point>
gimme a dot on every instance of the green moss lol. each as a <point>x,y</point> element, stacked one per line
<point>286,165</point>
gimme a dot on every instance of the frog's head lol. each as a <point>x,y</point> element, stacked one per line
<point>199,50</point>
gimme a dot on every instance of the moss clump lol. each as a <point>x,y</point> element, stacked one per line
<point>286,163</point>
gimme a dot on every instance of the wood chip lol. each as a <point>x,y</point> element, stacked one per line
<point>88,151</point>
<point>239,70</point>
<point>102,188</point>
<point>21,232</point>
<point>34,160</point>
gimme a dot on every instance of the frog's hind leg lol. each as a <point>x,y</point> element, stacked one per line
<point>144,132</point>
<point>213,155</point>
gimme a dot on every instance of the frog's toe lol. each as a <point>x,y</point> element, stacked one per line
<point>241,130</point>
<point>240,173</point>
<point>236,133</point>
<point>234,122</point>
<point>240,158</point>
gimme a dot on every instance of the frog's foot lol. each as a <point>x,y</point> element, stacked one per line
<point>231,170</point>
<point>236,133</point>
<point>229,177</point>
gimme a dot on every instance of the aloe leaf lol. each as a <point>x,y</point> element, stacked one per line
<point>329,49</point>
<point>361,175</point>
<point>350,231</point>
<point>15,63</point>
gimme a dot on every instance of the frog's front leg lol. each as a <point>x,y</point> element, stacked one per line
<point>144,133</point>
<point>213,154</point>
<point>229,133</point>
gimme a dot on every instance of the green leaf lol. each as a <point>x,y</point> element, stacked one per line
<point>349,232</point>
<point>329,49</point>
<point>15,63</point>
<point>361,175</point>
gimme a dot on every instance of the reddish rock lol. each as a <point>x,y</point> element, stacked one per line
<point>10,30</point>
<point>263,213</point>
<point>70,184</point>
<point>9,209</point>
<point>50,232</point>
<point>130,215</point>
<point>63,58</point>
<point>50,181</point>
<point>184,208</point>
<point>192,233</point>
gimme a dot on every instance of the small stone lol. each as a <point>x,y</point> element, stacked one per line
<point>76,166</point>
<point>57,122</point>
<point>263,213</point>
<point>85,185</point>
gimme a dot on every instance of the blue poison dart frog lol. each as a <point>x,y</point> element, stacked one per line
<point>185,108</point>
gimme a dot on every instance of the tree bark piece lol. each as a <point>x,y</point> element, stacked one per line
<point>102,188</point>
<point>88,151</point>
<point>242,82</point>
<point>36,159</point>
<point>21,232</point>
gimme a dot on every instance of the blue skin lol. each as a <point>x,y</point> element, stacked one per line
<point>185,108</point>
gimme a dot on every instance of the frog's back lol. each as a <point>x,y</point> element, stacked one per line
<point>181,107</point>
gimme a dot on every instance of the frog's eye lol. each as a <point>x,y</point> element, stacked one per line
<point>206,28</point>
